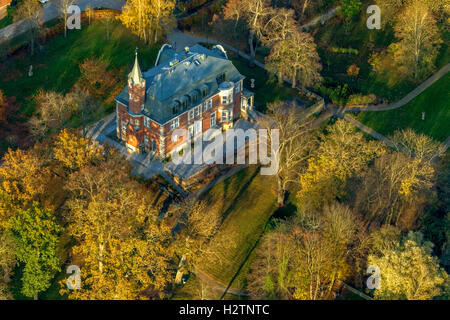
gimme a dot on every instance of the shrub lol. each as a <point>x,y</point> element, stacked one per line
<point>358,99</point>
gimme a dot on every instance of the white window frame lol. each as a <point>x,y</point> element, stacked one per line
<point>147,122</point>
<point>212,117</point>
<point>146,140</point>
<point>124,126</point>
<point>175,123</point>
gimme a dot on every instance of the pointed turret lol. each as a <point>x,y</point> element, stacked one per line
<point>136,75</point>
<point>136,88</point>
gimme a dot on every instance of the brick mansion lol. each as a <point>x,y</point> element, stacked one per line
<point>196,89</point>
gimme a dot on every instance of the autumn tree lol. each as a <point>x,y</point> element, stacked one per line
<point>409,270</point>
<point>148,18</point>
<point>296,58</point>
<point>391,8</point>
<point>256,13</point>
<point>30,10</point>
<point>279,26</point>
<point>22,181</point>
<point>303,257</point>
<point>108,20</point>
<point>419,40</point>
<point>417,145</point>
<point>96,77</point>
<point>200,228</point>
<point>53,109</point>
<point>75,152</point>
<point>36,233</point>
<point>295,143</point>
<point>342,154</point>
<point>89,12</point>
<point>398,179</point>
<point>234,10</point>
<point>7,262</point>
<point>124,248</point>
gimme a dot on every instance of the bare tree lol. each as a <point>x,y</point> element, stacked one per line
<point>30,10</point>
<point>63,7</point>
<point>296,57</point>
<point>295,142</point>
<point>256,13</point>
<point>417,145</point>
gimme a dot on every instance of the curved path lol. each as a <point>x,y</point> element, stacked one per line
<point>410,96</point>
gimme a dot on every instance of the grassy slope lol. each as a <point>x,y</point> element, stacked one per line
<point>246,214</point>
<point>435,102</point>
<point>247,201</point>
<point>56,67</point>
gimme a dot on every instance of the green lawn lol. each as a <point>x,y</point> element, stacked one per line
<point>247,201</point>
<point>435,102</point>
<point>56,66</point>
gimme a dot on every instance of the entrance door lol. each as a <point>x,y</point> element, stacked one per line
<point>197,127</point>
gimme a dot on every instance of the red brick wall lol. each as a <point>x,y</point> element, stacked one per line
<point>154,131</point>
<point>137,98</point>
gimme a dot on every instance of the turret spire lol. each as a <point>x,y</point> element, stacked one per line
<point>136,75</point>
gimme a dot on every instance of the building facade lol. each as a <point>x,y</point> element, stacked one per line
<point>195,90</point>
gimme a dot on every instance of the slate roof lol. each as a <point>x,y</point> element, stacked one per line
<point>178,74</point>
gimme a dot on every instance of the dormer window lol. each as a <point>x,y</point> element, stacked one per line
<point>221,78</point>
<point>175,107</point>
<point>204,91</point>
<point>182,103</point>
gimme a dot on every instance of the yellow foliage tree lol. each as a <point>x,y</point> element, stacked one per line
<point>75,152</point>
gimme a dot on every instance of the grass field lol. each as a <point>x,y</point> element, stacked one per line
<point>246,201</point>
<point>435,102</point>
